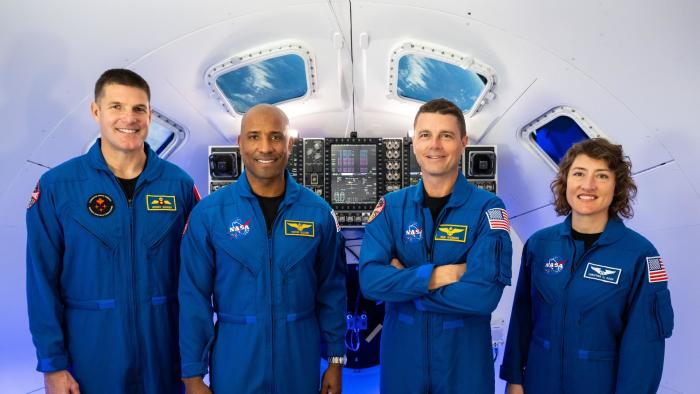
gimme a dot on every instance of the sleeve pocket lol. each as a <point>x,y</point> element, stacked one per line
<point>505,257</point>
<point>663,312</point>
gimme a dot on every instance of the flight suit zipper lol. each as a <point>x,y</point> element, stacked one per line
<point>428,316</point>
<point>271,267</point>
<point>574,267</point>
<point>135,337</point>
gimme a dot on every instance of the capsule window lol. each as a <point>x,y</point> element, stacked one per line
<point>274,74</point>
<point>423,72</point>
<point>164,135</point>
<point>423,79</point>
<point>554,132</point>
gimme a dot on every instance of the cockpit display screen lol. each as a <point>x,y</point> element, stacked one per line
<point>353,174</point>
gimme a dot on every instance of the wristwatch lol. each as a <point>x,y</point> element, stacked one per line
<point>342,360</point>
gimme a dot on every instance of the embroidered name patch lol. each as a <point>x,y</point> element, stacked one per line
<point>160,203</point>
<point>602,273</point>
<point>451,232</point>
<point>299,228</point>
<point>554,265</point>
<point>413,233</point>
<point>100,205</point>
<point>239,229</point>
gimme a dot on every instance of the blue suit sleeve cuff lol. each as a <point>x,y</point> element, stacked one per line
<point>53,364</point>
<point>510,375</point>
<point>190,370</point>
<point>424,271</point>
<point>336,349</point>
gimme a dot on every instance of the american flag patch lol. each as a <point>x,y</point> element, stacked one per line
<point>498,219</point>
<point>656,269</point>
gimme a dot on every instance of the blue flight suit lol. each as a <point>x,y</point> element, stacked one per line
<point>277,296</point>
<point>102,274</point>
<point>588,321</point>
<point>436,341</point>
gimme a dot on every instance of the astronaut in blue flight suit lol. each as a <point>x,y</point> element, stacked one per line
<point>103,238</point>
<point>592,306</point>
<point>439,254</point>
<point>271,254</point>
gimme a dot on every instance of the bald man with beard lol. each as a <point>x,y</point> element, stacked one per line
<point>267,256</point>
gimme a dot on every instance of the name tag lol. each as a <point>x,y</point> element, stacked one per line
<point>451,232</point>
<point>298,228</point>
<point>602,273</point>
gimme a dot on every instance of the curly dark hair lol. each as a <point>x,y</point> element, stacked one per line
<point>443,107</point>
<point>121,76</point>
<point>619,164</point>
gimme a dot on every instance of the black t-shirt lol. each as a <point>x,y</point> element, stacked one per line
<point>269,207</point>
<point>435,204</point>
<point>128,185</point>
<point>588,239</point>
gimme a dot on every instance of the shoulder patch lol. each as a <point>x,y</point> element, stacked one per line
<point>187,226</point>
<point>498,219</point>
<point>377,210</point>
<point>197,197</point>
<point>656,270</point>
<point>335,218</point>
<point>35,196</point>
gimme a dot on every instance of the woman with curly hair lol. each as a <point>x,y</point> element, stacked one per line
<point>592,307</point>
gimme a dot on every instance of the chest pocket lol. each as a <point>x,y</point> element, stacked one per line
<point>90,261</point>
<point>162,242</point>
<point>236,255</point>
<point>238,266</point>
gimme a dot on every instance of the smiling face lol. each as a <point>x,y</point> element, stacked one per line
<point>265,145</point>
<point>590,187</point>
<point>437,144</point>
<point>123,114</point>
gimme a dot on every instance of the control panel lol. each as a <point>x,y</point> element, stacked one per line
<point>352,174</point>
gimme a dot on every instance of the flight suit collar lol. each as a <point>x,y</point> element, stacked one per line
<point>291,189</point>
<point>152,171</point>
<point>461,192</point>
<point>614,230</point>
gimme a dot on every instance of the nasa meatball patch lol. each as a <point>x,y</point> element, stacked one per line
<point>554,265</point>
<point>100,205</point>
<point>35,196</point>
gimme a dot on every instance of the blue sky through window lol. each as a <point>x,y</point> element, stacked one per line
<point>556,136</point>
<point>423,78</point>
<point>268,81</point>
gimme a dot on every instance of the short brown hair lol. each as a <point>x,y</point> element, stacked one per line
<point>121,76</point>
<point>443,107</point>
<point>619,164</point>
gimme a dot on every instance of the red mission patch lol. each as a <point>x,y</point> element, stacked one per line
<point>377,210</point>
<point>35,196</point>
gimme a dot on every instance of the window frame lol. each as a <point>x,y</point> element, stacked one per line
<point>444,55</point>
<point>527,132</point>
<point>181,134</point>
<point>252,56</point>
